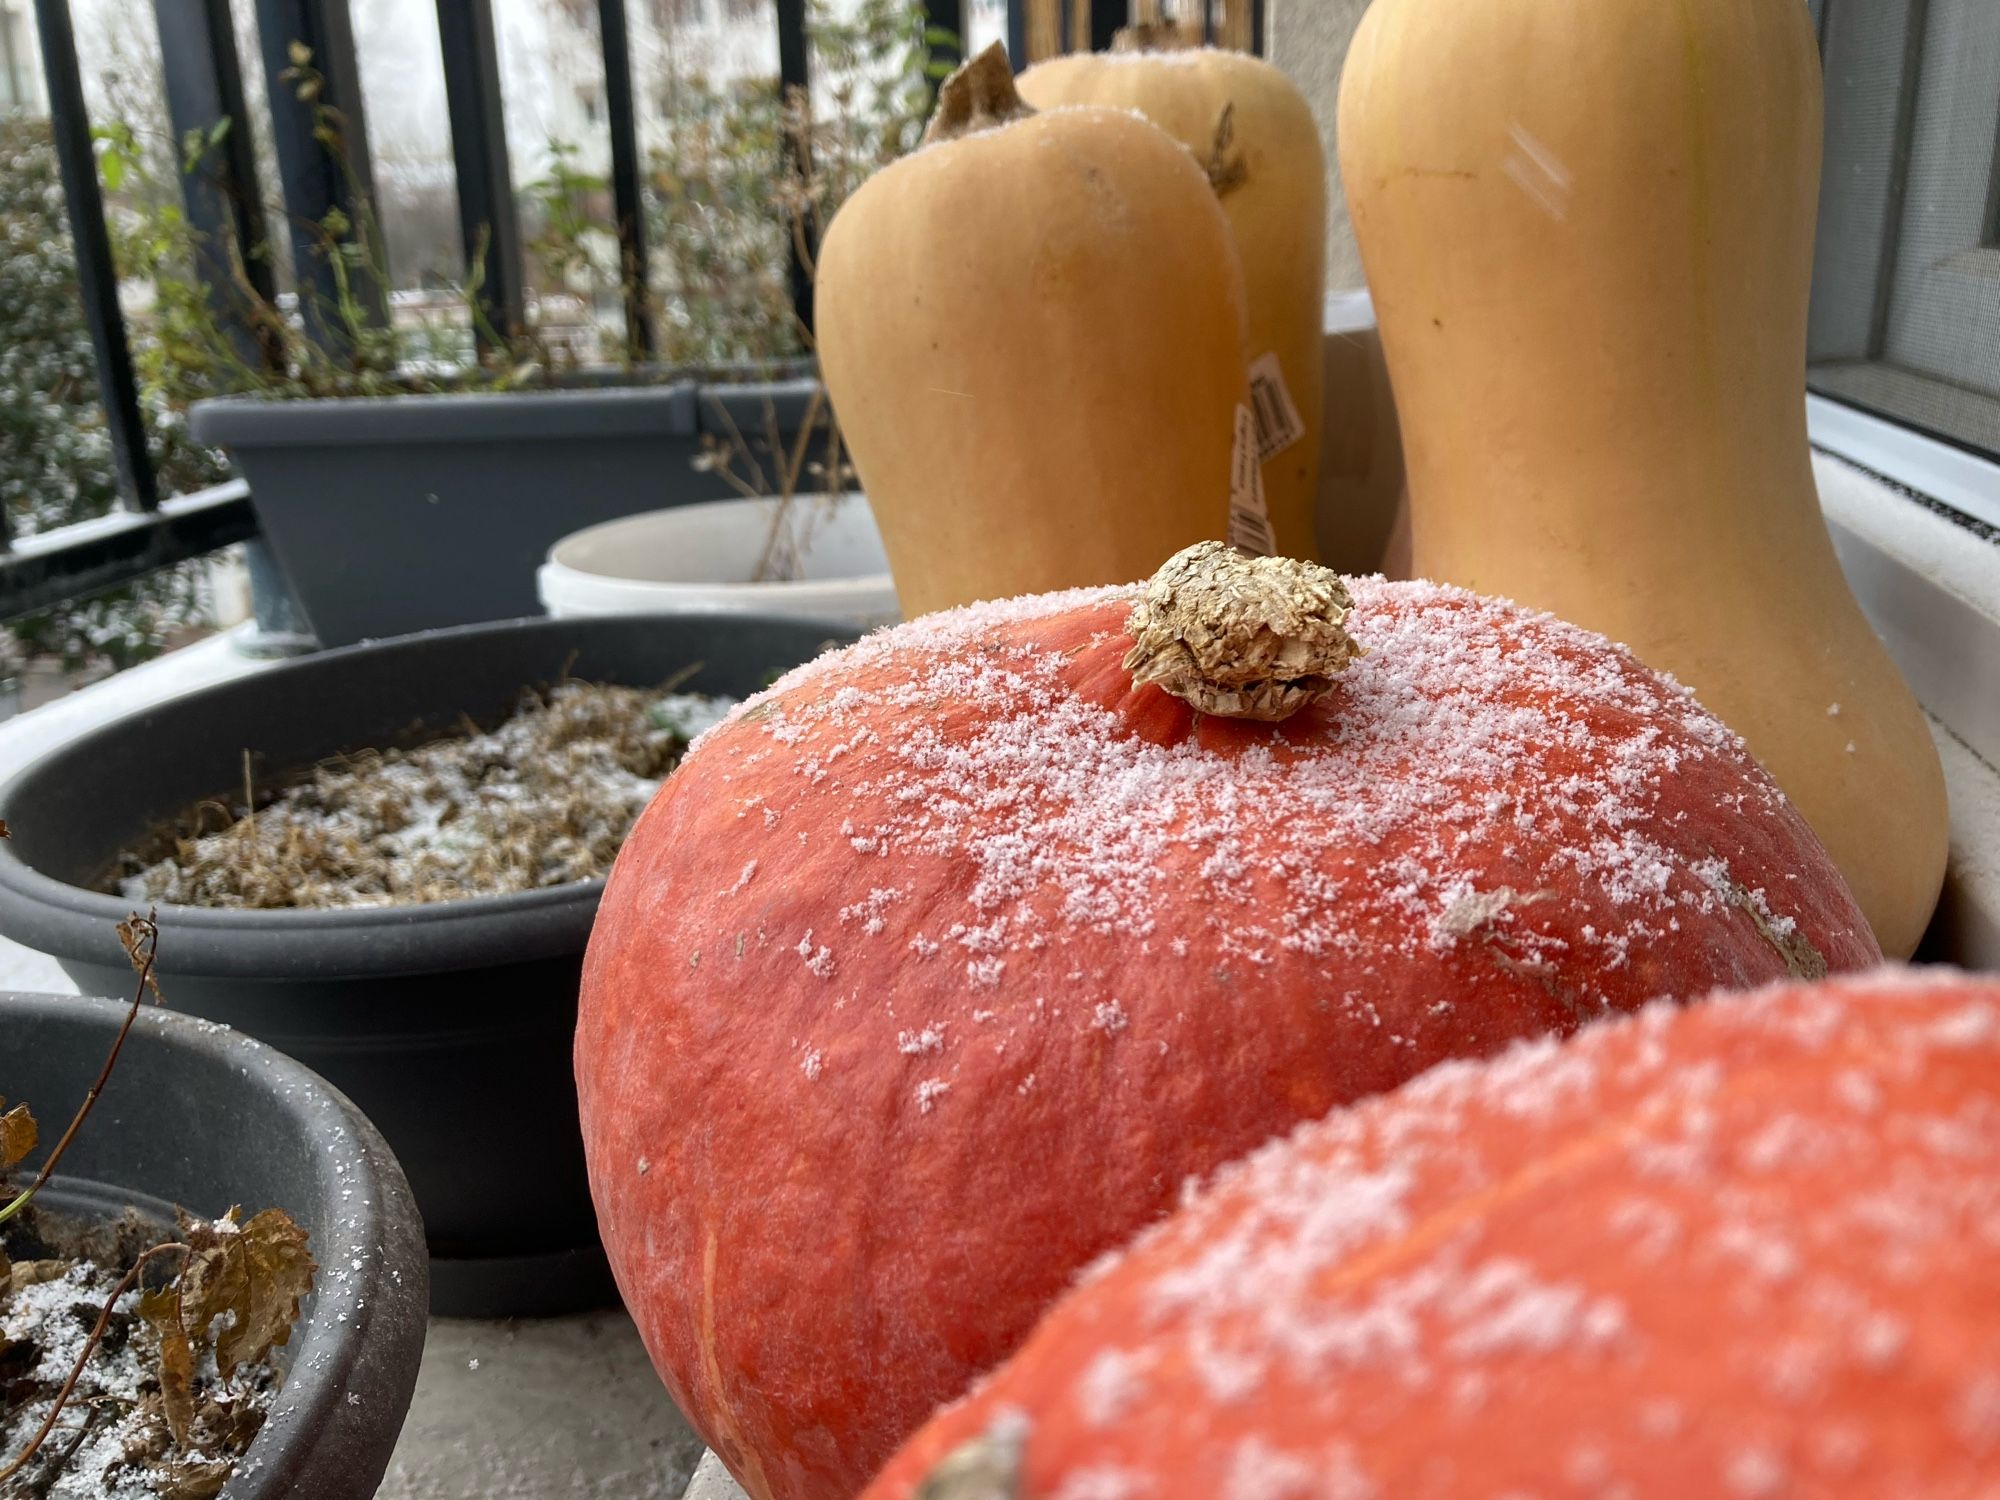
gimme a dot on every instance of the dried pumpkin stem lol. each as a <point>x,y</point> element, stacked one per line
<point>1154,36</point>
<point>979,96</point>
<point>1238,636</point>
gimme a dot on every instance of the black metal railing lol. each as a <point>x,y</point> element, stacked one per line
<point>204,88</point>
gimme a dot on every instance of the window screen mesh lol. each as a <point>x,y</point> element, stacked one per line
<point>1906,295</point>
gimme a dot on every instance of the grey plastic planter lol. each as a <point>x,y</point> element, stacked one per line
<point>449,1023</point>
<point>202,1117</point>
<point>403,513</point>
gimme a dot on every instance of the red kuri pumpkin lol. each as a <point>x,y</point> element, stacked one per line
<point>935,971</point>
<point>1745,1248</point>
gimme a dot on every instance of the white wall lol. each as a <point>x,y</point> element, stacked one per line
<point>1308,39</point>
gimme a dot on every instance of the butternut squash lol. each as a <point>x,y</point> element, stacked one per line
<point>1032,329</point>
<point>1254,132</point>
<point>1588,227</point>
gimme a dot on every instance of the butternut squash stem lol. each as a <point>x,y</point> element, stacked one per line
<point>979,96</point>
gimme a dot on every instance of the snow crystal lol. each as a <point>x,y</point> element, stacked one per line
<point>1109,1386</point>
<point>1756,1472</point>
<point>819,961</point>
<point>929,1092</point>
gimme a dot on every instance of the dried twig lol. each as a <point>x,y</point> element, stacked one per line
<point>141,936</point>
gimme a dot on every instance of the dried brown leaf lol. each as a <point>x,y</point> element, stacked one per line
<point>280,1271</point>
<point>17,1135</point>
<point>5,831</point>
<point>192,1478</point>
<point>162,1309</point>
<point>225,1424</point>
<point>148,1440</point>
<point>18,1358</point>
<point>215,1276</point>
<point>27,1273</point>
<point>141,937</point>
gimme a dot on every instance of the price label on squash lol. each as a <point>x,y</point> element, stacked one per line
<point>1278,422</point>
<point>1249,517</point>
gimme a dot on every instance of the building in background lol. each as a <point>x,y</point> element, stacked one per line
<point>20,60</point>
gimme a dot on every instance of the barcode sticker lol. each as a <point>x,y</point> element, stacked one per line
<point>1278,424</point>
<point>1249,517</point>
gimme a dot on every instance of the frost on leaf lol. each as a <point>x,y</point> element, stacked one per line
<point>257,1272</point>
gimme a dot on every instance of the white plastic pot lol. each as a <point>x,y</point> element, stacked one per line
<point>705,557</point>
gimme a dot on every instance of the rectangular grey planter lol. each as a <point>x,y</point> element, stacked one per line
<point>402,513</point>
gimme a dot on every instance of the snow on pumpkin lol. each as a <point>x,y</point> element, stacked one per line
<point>1128,942</point>
<point>1482,1283</point>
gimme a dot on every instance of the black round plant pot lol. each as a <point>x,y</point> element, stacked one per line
<point>450,1024</point>
<point>201,1118</point>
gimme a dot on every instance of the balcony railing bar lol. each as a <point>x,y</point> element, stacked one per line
<point>795,85</point>
<point>628,205</point>
<point>1106,16</point>
<point>324,165</point>
<point>40,571</point>
<point>486,215</point>
<point>944,15</point>
<point>205,102</point>
<point>69,120</point>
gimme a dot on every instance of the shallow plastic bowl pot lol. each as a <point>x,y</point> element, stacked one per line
<point>449,1024</point>
<point>201,1117</point>
<point>705,557</point>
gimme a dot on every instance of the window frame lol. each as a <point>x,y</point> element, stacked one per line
<point>1866,296</point>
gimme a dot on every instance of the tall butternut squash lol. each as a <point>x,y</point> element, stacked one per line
<point>1254,132</point>
<point>1032,329</point>
<point>1588,228</point>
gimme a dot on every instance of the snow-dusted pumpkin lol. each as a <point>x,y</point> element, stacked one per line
<point>1032,330</point>
<point>934,971</point>
<point>1744,1248</point>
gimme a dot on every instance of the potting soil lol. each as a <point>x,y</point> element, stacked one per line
<point>111,1440</point>
<point>544,799</point>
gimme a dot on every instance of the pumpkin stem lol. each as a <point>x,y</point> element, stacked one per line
<point>979,96</point>
<point>985,1467</point>
<point>1154,36</point>
<point>1238,636</point>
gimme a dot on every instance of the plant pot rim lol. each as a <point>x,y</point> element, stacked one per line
<point>673,405</point>
<point>360,1347</point>
<point>78,924</point>
<point>744,594</point>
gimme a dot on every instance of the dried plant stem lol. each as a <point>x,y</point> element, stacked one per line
<point>125,1284</point>
<point>249,824</point>
<point>782,557</point>
<point>147,932</point>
